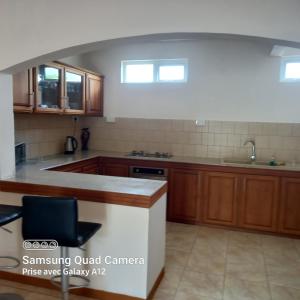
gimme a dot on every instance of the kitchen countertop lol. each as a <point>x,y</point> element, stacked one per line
<point>61,159</point>
<point>34,173</point>
<point>33,176</point>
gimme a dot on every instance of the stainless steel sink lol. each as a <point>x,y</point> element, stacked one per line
<point>246,162</point>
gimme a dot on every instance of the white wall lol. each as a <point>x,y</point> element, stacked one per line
<point>7,150</point>
<point>229,80</point>
<point>32,28</point>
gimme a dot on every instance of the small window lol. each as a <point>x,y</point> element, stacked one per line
<point>150,71</point>
<point>290,69</point>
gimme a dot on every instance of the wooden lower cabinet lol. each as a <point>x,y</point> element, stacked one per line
<point>220,198</point>
<point>263,202</point>
<point>72,169</point>
<point>290,206</point>
<point>114,169</point>
<point>91,168</point>
<point>259,202</point>
<point>184,194</point>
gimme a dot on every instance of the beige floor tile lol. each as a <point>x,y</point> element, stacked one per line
<point>245,271</point>
<point>170,282</point>
<point>36,296</point>
<point>284,293</point>
<point>180,240</point>
<point>283,257</point>
<point>297,245</point>
<point>211,238</point>
<point>183,228</point>
<point>280,251</point>
<point>275,244</point>
<point>213,235</point>
<point>205,258</point>
<point>244,239</point>
<point>176,258</point>
<point>188,295</point>
<point>240,254</point>
<point>286,275</point>
<point>162,296</point>
<point>195,285</point>
<point>237,289</point>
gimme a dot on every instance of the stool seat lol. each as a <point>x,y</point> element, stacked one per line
<point>9,213</point>
<point>56,218</point>
<point>85,231</point>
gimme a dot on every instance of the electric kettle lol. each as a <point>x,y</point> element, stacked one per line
<point>71,145</point>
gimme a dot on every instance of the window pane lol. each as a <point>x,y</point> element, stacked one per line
<point>51,73</point>
<point>71,77</point>
<point>171,73</point>
<point>139,73</point>
<point>292,70</point>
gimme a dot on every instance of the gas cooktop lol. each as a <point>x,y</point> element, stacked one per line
<point>149,154</point>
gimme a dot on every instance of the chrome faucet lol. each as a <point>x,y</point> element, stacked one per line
<point>253,154</point>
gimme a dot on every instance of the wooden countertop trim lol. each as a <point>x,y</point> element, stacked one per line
<point>83,194</point>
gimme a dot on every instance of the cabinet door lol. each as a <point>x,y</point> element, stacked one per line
<point>74,92</point>
<point>184,187</point>
<point>116,170</point>
<point>23,91</point>
<point>72,168</point>
<point>259,202</point>
<point>49,88</point>
<point>94,95</point>
<point>220,198</point>
<point>290,206</point>
<point>90,167</point>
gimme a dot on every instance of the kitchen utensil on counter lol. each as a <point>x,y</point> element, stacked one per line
<point>71,145</point>
<point>85,136</point>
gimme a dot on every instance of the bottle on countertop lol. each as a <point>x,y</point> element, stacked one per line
<point>85,137</point>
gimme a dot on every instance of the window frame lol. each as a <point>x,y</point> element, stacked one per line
<point>156,64</point>
<point>284,62</point>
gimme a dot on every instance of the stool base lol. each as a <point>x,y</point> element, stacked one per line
<point>64,283</point>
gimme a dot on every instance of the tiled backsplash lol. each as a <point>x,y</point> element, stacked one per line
<point>43,134</point>
<point>184,138</point>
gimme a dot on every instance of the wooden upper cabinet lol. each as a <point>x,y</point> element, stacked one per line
<point>184,188</point>
<point>49,88</point>
<point>94,95</point>
<point>220,198</point>
<point>23,95</point>
<point>290,206</point>
<point>74,91</point>
<point>259,202</point>
<point>59,89</point>
<point>115,169</point>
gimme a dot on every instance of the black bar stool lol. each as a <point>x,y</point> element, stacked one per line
<point>56,218</point>
<point>8,214</point>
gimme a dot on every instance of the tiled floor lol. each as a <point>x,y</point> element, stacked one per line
<point>29,292</point>
<point>213,264</point>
